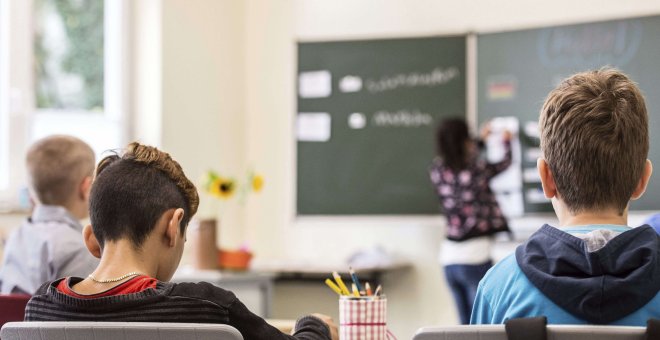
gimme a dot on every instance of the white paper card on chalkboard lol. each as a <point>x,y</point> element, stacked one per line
<point>532,129</point>
<point>511,203</point>
<point>533,154</point>
<point>536,196</point>
<point>357,120</point>
<point>350,84</point>
<point>509,179</point>
<point>313,127</point>
<point>531,175</point>
<point>315,84</point>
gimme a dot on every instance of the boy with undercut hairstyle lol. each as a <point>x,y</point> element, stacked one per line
<point>592,268</point>
<point>49,244</point>
<point>140,205</point>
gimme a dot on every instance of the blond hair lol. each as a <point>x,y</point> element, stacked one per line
<point>56,166</point>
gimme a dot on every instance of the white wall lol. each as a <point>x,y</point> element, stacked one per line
<point>322,19</point>
<point>417,297</point>
<point>203,94</point>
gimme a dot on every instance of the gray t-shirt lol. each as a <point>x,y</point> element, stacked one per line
<point>48,246</point>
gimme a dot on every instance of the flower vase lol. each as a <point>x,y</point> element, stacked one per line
<point>203,237</point>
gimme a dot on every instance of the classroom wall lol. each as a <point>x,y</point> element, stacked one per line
<point>203,93</point>
<point>417,297</point>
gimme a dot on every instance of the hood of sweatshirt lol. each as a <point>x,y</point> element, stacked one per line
<point>601,286</point>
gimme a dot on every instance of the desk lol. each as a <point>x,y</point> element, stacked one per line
<point>254,289</point>
<point>307,271</point>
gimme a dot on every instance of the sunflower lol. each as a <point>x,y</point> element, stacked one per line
<point>257,183</point>
<point>222,187</point>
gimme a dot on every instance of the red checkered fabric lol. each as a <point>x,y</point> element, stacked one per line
<point>363,318</point>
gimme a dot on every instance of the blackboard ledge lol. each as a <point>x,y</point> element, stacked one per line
<point>352,220</point>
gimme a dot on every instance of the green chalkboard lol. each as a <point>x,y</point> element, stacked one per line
<point>516,70</point>
<point>366,115</point>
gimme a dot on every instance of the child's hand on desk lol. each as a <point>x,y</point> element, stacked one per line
<point>334,334</point>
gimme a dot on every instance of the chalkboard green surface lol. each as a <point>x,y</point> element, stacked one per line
<point>516,70</point>
<point>367,112</point>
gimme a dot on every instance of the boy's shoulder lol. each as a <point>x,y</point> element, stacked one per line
<point>51,227</point>
<point>52,214</point>
<point>50,220</point>
<point>203,291</point>
<point>505,293</point>
<point>552,273</point>
<point>503,273</point>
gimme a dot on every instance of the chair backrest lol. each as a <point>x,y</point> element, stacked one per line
<point>12,307</point>
<point>554,332</point>
<point>75,330</point>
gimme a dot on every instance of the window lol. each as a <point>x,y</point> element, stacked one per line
<point>78,66</point>
<point>68,54</point>
<point>66,74</point>
<point>4,135</point>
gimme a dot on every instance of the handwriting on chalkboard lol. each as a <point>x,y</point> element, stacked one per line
<point>437,76</point>
<point>584,45</point>
<point>402,118</point>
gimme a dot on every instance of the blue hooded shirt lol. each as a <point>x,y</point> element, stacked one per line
<point>555,274</point>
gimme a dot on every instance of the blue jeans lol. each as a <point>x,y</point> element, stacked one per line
<point>463,279</point>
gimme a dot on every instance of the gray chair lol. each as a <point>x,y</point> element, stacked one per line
<point>554,332</point>
<point>75,330</point>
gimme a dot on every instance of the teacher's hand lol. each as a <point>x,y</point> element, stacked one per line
<point>507,135</point>
<point>485,131</point>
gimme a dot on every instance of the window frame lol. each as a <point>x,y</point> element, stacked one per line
<point>4,82</point>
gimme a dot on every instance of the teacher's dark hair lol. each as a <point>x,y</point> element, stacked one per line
<point>451,137</point>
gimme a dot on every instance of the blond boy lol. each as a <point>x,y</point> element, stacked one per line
<point>49,244</point>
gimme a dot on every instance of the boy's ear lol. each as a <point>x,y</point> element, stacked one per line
<point>173,230</point>
<point>643,181</point>
<point>91,242</point>
<point>85,188</point>
<point>547,181</point>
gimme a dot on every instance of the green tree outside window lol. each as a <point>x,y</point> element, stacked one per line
<point>69,59</point>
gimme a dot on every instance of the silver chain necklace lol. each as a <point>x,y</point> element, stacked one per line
<point>113,280</point>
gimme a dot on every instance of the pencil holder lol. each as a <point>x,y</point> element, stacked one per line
<point>363,318</point>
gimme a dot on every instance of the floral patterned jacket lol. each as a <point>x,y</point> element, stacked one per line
<point>466,197</point>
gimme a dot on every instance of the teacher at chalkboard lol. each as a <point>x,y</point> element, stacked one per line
<point>461,180</point>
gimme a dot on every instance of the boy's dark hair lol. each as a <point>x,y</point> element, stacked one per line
<point>595,139</point>
<point>451,136</point>
<point>132,191</point>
